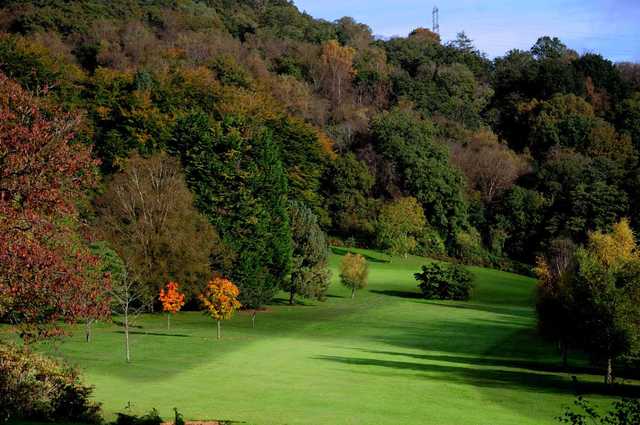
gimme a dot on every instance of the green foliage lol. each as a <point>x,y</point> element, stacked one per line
<point>424,172</point>
<point>623,412</point>
<point>303,160</point>
<point>347,185</point>
<point>150,418</point>
<point>398,224</point>
<point>236,172</point>
<point>430,244</point>
<point>517,221</point>
<point>35,387</point>
<point>467,247</point>
<point>309,272</point>
<point>445,281</point>
<point>592,298</point>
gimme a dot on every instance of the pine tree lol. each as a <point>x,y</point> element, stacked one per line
<point>309,273</point>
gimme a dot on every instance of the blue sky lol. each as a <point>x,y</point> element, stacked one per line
<point>608,27</point>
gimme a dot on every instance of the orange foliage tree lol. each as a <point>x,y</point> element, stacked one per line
<point>172,300</point>
<point>220,299</point>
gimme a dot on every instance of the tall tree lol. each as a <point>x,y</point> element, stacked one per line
<point>309,264</point>
<point>606,290</point>
<point>398,224</point>
<point>148,215</point>
<point>422,168</point>
<point>336,71</point>
<point>236,172</point>
<point>491,168</point>
<point>46,268</point>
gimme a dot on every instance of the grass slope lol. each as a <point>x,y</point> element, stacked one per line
<point>386,357</point>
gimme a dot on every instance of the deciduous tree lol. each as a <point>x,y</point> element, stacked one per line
<point>148,216</point>
<point>491,168</point>
<point>172,300</point>
<point>399,223</point>
<point>354,272</point>
<point>220,300</point>
<point>47,272</point>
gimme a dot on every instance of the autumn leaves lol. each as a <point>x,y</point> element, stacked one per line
<point>219,299</point>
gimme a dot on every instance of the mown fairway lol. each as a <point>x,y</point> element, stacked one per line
<point>387,357</point>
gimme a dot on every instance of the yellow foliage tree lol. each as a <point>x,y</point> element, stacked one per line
<point>354,272</point>
<point>615,248</point>
<point>220,299</point>
<point>337,69</point>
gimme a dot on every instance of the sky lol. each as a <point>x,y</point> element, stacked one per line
<point>608,27</point>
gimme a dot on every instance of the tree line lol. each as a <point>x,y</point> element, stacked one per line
<point>178,140</point>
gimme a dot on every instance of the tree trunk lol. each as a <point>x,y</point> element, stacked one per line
<point>353,292</point>
<point>563,351</point>
<point>168,321</point>
<point>253,319</point>
<point>126,334</point>
<point>292,295</point>
<point>608,377</point>
<point>87,331</point>
<point>219,334</point>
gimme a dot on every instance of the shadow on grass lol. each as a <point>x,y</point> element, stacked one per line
<point>296,303</point>
<point>154,334</point>
<point>399,294</point>
<point>497,362</point>
<point>484,377</point>
<point>507,311</point>
<point>121,323</point>
<point>345,251</point>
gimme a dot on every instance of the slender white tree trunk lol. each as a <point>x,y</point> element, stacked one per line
<point>87,330</point>
<point>126,334</point>
<point>219,332</point>
<point>608,377</point>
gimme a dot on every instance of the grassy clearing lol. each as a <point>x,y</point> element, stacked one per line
<point>386,357</point>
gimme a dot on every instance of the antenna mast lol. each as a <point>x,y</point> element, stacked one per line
<point>435,17</point>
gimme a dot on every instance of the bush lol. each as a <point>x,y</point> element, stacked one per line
<point>622,412</point>
<point>151,418</point>
<point>431,244</point>
<point>468,248</point>
<point>35,387</point>
<point>445,281</point>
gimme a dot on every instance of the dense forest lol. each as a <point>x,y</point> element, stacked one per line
<point>259,129</point>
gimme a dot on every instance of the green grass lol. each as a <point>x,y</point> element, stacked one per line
<point>386,357</point>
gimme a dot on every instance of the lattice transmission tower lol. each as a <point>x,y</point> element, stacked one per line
<point>436,21</point>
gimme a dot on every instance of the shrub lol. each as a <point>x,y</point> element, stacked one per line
<point>151,418</point>
<point>431,244</point>
<point>622,412</point>
<point>35,387</point>
<point>445,281</point>
<point>468,248</point>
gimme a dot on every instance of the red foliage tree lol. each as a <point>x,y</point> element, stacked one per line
<point>172,300</point>
<point>47,273</point>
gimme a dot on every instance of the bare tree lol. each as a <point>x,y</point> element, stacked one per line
<point>148,216</point>
<point>129,300</point>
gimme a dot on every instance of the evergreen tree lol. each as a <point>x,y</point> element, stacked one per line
<point>236,172</point>
<point>309,272</point>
